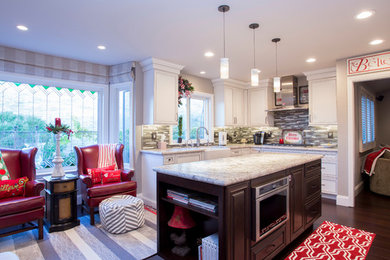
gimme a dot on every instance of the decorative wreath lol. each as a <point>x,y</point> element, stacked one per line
<point>185,89</point>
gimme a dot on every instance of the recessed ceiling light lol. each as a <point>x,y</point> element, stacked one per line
<point>311,60</point>
<point>202,72</point>
<point>209,54</point>
<point>364,14</point>
<point>22,27</point>
<point>101,47</point>
<point>376,42</point>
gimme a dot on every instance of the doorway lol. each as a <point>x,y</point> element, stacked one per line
<point>372,121</point>
<point>353,160</point>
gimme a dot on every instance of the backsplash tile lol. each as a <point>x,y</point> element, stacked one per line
<point>147,130</point>
<point>293,119</point>
<point>283,120</point>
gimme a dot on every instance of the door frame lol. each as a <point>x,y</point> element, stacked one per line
<point>352,133</point>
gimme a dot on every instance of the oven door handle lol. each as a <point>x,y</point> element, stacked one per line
<point>271,192</point>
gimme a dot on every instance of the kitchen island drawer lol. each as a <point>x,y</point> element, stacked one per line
<point>312,211</point>
<point>313,168</point>
<point>270,246</point>
<point>312,188</point>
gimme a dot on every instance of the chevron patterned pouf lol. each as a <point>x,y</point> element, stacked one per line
<point>121,213</point>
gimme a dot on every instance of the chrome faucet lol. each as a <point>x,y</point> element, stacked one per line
<point>197,135</point>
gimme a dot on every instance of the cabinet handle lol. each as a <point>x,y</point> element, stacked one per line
<point>270,248</point>
<point>310,118</point>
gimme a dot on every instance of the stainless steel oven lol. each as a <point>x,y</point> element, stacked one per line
<point>271,207</point>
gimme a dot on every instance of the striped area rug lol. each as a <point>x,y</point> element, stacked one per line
<point>85,242</point>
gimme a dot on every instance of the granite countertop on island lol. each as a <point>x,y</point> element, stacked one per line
<point>231,170</point>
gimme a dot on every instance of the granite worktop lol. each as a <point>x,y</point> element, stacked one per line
<point>180,150</point>
<point>231,170</point>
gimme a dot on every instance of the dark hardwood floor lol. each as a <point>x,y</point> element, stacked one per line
<point>371,213</point>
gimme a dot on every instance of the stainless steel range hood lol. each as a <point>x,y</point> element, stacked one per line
<point>289,94</point>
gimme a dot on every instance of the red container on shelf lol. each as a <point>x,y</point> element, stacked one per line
<point>281,141</point>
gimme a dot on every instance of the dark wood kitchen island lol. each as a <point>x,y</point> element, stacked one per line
<point>249,192</point>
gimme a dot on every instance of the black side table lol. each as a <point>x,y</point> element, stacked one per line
<point>61,203</point>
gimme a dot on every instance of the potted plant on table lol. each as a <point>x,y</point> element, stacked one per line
<point>180,129</point>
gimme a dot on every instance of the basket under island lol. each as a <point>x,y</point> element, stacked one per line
<point>247,192</point>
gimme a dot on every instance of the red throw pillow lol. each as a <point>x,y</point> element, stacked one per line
<point>96,173</point>
<point>111,176</point>
<point>11,188</point>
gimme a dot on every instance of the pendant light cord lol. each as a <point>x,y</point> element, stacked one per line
<point>224,35</point>
<point>276,58</point>
<point>254,49</point>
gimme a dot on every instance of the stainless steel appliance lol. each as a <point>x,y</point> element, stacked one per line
<point>271,207</point>
<point>222,138</point>
<point>288,95</point>
<point>258,138</point>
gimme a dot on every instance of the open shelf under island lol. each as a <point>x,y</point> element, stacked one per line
<point>264,201</point>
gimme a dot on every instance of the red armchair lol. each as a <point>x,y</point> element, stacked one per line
<point>93,194</point>
<point>22,209</point>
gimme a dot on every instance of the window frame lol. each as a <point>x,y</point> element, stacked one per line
<point>115,89</point>
<point>369,145</point>
<point>103,103</point>
<point>209,117</point>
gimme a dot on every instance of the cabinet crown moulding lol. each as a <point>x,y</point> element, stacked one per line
<point>239,84</point>
<point>320,74</point>
<point>157,64</point>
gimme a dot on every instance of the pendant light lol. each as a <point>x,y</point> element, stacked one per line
<point>276,78</point>
<point>254,72</point>
<point>224,66</point>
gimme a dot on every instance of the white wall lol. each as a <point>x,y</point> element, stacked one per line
<point>138,120</point>
<point>342,128</point>
<point>200,84</point>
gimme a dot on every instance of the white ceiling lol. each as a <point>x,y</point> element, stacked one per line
<point>181,31</point>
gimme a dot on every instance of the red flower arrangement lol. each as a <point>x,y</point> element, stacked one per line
<point>185,89</point>
<point>58,128</point>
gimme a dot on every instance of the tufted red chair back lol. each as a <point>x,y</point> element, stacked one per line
<point>20,163</point>
<point>87,157</point>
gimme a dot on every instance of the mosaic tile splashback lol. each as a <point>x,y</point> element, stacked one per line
<point>294,119</point>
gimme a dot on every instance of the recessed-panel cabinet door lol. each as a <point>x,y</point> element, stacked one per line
<point>229,120</point>
<point>322,102</point>
<point>257,107</point>
<point>238,107</point>
<point>296,203</point>
<point>165,99</point>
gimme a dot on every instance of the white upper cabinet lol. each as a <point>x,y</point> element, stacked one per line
<point>230,102</point>
<point>322,97</point>
<point>160,91</point>
<point>260,99</point>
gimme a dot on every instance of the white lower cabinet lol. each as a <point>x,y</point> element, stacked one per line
<point>239,151</point>
<point>328,166</point>
<point>150,161</point>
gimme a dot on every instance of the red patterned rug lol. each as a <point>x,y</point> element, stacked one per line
<point>334,241</point>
